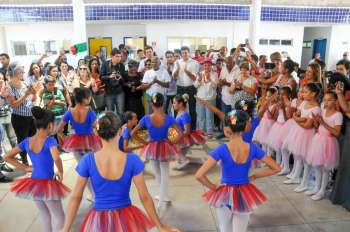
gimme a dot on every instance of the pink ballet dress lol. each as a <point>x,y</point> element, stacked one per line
<point>324,149</point>
<point>288,124</point>
<point>274,140</point>
<point>261,132</point>
<point>299,139</point>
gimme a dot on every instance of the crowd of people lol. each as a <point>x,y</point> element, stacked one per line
<point>278,118</point>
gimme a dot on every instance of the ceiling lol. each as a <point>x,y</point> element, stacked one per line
<point>324,3</point>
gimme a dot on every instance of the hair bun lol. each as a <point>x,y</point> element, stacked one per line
<point>38,112</point>
<point>108,125</point>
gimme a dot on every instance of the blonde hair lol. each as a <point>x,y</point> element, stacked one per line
<point>87,70</point>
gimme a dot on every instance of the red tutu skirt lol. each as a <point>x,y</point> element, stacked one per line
<point>195,137</point>
<point>162,151</point>
<point>39,189</point>
<point>82,143</point>
<point>128,219</point>
<point>239,198</point>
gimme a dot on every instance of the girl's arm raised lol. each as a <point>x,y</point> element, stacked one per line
<point>148,204</point>
<point>74,203</point>
<point>202,171</point>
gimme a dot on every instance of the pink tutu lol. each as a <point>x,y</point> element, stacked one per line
<point>287,126</point>
<point>324,151</point>
<point>82,143</point>
<point>239,198</point>
<point>128,219</point>
<point>298,141</point>
<point>160,150</point>
<point>274,138</point>
<point>39,189</point>
<point>195,137</point>
<point>261,132</point>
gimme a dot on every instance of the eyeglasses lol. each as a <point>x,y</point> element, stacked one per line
<point>82,68</point>
<point>148,64</point>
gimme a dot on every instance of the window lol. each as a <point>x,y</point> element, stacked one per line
<point>263,41</point>
<point>286,42</point>
<point>275,42</point>
<point>202,43</point>
<point>50,47</point>
<point>19,48</point>
<point>307,44</point>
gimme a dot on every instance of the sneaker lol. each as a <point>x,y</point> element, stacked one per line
<point>311,192</point>
<point>5,179</point>
<point>318,196</point>
<point>182,165</point>
<point>4,167</point>
<point>292,181</point>
<point>300,188</point>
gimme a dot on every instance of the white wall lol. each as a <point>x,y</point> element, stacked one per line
<point>3,47</point>
<point>160,31</point>
<point>116,30</point>
<point>339,43</point>
<point>310,34</point>
<point>34,32</point>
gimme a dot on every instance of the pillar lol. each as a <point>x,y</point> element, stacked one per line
<point>79,24</point>
<point>254,24</point>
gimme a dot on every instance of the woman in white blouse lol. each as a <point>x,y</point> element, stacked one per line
<point>206,84</point>
<point>245,87</point>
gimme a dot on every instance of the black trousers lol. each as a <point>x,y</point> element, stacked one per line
<point>24,127</point>
<point>169,101</point>
<point>191,91</point>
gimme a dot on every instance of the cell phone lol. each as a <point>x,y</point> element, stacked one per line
<point>341,85</point>
<point>269,66</point>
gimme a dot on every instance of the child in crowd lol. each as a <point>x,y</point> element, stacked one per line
<point>268,114</point>
<point>159,150</point>
<point>323,152</point>
<point>300,135</point>
<point>189,137</point>
<point>44,187</point>
<point>111,172</point>
<point>274,136</point>
<point>294,106</point>
<point>235,197</point>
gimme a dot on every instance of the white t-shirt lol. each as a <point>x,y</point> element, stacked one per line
<point>162,75</point>
<point>183,79</point>
<point>207,89</point>
<point>226,96</point>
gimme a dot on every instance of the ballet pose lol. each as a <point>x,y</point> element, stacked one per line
<point>159,150</point>
<point>83,120</point>
<point>111,172</point>
<point>274,136</point>
<point>268,114</point>
<point>299,138</point>
<point>235,197</point>
<point>44,186</point>
<point>323,153</point>
<point>125,135</point>
<point>189,137</point>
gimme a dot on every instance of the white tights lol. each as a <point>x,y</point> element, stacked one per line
<point>322,176</point>
<point>51,215</point>
<point>78,157</point>
<point>232,222</point>
<point>161,171</point>
<point>285,161</point>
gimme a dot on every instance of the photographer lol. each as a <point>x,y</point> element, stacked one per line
<point>113,73</point>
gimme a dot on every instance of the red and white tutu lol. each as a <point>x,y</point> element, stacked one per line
<point>82,143</point>
<point>324,151</point>
<point>39,189</point>
<point>128,219</point>
<point>261,132</point>
<point>274,138</point>
<point>160,150</point>
<point>240,198</point>
<point>195,137</point>
<point>298,141</point>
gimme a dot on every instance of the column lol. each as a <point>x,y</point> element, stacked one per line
<point>79,24</point>
<point>3,40</point>
<point>254,24</point>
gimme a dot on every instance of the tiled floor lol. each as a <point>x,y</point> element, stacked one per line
<point>285,211</point>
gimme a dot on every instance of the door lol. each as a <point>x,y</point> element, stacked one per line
<point>320,46</point>
<point>103,45</point>
<point>134,43</point>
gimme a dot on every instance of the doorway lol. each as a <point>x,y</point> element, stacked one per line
<point>320,47</point>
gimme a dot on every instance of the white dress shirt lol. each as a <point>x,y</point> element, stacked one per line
<point>162,75</point>
<point>206,89</point>
<point>183,79</point>
<point>226,96</point>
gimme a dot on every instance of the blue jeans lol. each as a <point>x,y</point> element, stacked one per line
<point>226,109</point>
<point>115,101</point>
<point>205,118</point>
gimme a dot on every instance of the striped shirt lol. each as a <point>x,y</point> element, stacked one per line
<point>24,109</point>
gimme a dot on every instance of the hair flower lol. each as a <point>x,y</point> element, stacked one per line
<point>233,117</point>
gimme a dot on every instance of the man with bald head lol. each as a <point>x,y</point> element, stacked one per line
<point>155,80</point>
